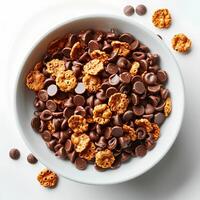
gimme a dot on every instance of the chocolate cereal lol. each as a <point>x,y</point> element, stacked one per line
<point>100,98</point>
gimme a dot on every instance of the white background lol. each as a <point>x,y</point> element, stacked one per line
<point>176,177</point>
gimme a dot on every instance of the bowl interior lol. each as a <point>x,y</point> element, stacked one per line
<point>136,166</point>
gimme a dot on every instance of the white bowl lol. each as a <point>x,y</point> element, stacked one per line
<point>136,166</point>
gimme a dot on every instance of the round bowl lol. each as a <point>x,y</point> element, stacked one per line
<point>136,166</point>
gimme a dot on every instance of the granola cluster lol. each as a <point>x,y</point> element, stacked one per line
<point>122,48</point>
<point>181,43</point>
<point>55,67</point>
<point>89,152</point>
<point>80,142</point>
<point>66,80</point>
<point>144,123</point>
<point>93,67</point>
<point>101,56</point>
<point>78,123</point>
<point>151,128</point>
<point>102,114</point>
<point>35,80</point>
<point>156,131</point>
<point>118,102</point>
<point>47,178</point>
<point>104,159</point>
<point>162,18</point>
<point>91,83</point>
<point>130,132</point>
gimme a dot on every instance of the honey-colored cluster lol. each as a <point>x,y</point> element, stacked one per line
<point>93,67</point>
<point>66,80</point>
<point>104,159</point>
<point>156,131</point>
<point>99,55</point>
<point>47,178</point>
<point>151,128</point>
<point>78,123</point>
<point>181,43</point>
<point>130,132</point>
<point>145,123</point>
<point>118,103</point>
<point>35,80</point>
<point>162,18</point>
<point>80,142</point>
<point>55,67</point>
<point>89,152</point>
<point>122,48</point>
<point>91,83</point>
<point>102,114</point>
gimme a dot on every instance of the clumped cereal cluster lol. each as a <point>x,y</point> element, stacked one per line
<point>35,80</point>
<point>47,178</point>
<point>100,98</point>
<point>162,18</point>
<point>181,43</point>
<point>118,102</point>
<point>102,114</point>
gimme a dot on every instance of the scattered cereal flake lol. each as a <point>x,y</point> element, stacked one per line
<point>66,80</point>
<point>161,18</point>
<point>80,142</point>
<point>55,66</point>
<point>102,114</point>
<point>181,43</point>
<point>93,67</point>
<point>123,48</point>
<point>104,159</point>
<point>35,80</point>
<point>168,107</point>
<point>47,178</point>
<point>78,123</point>
<point>89,152</point>
<point>100,55</point>
<point>156,131</point>
<point>144,123</point>
<point>134,68</point>
<point>130,131</point>
<point>76,51</point>
<point>118,102</point>
<point>91,83</point>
